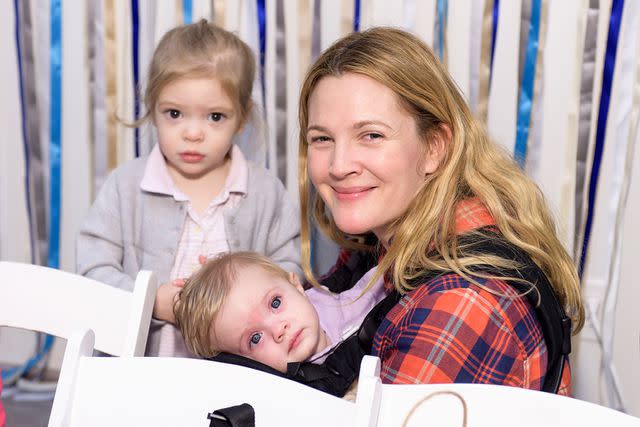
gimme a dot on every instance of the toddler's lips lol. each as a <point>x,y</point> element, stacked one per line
<point>191,157</point>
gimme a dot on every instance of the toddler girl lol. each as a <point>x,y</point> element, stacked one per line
<point>195,194</point>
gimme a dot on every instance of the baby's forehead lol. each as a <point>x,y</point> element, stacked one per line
<point>269,273</point>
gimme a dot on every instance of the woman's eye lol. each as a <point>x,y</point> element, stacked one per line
<point>174,114</point>
<point>216,117</point>
<point>373,135</point>
<point>319,139</point>
<point>255,339</point>
<point>275,303</point>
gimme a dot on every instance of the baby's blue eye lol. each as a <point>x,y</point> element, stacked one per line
<point>275,303</point>
<point>255,338</point>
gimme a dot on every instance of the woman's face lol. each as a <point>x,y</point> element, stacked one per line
<point>365,156</point>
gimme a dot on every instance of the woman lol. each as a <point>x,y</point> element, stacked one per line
<point>401,169</point>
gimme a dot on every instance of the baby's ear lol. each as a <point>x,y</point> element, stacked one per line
<point>295,281</point>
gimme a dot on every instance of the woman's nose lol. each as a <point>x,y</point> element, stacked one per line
<point>343,160</point>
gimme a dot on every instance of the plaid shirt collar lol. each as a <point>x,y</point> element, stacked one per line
<point>472,214</point>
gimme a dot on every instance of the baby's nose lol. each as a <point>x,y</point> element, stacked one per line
<point>280,331</point>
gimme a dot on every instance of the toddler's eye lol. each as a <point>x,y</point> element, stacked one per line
<point>275,303</point>
<point>255,339</point>
<point>174,114</point>
<point>215,117</point>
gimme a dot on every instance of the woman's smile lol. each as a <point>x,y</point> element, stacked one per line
<point>352,193</point>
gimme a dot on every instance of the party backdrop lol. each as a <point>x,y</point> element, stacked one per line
<point>557,83</point>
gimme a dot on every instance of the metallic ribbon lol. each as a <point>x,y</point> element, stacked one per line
<point>347,17</point>
<point>603,111</point>
<point>31,144</point>
<point>219,12</point>
<point>316,31</point>
<point>34,162</point>
<point>536,122</point>
<point>110,71</point>
<point>484,73</point>
<point>526,87</point>
<point>584,120</point>
<point>97,100</point>
<point>281,95</point>
<point>624,118</point>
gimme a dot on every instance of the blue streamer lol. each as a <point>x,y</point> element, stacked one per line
<point>31,363</point>
<point>135,42</point>
<point>55,151</point>
<point>262,27</point>
<point>48,339</point>
<point>443,12</point>
<point>187,11</point>
<point>526,87</point>
<point>55,126</point>
<point>494,32</point>
<point>356,16</point>
<point>603,111</point>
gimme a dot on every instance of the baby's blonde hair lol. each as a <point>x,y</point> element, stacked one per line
<point>200,300</point>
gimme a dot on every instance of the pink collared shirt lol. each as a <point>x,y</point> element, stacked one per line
<point>201,235</point>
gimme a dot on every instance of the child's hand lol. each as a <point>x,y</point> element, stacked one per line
<point>165,297</point>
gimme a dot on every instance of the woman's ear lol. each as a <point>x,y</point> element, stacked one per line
<point>436,150</point>
<point>295,281</point>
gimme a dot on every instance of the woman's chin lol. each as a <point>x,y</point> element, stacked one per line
<point>352,227</point>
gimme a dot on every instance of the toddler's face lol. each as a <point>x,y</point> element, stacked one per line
<point>268,319</point>
<point>196,122</point>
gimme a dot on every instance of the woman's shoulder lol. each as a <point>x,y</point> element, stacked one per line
<point>450,293</point>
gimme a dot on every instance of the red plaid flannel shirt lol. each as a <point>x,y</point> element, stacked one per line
<point>452,331</point>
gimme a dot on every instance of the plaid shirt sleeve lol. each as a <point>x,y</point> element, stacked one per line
<point>450,330</point>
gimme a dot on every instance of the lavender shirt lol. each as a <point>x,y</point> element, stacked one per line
<point>341,314</point>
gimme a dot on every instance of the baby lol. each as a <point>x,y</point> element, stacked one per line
<point>243,303</point>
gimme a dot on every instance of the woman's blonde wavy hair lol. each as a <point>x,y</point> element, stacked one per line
<point>424,237</point>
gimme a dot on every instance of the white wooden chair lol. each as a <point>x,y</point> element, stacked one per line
<point>58,303</point>
<point>160,391</point>
<point>133,391</point>
<point>445,405</point>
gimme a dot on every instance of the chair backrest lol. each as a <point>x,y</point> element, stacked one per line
<point>57,302</point>
<point>485,405</point>
<point>159,391</point>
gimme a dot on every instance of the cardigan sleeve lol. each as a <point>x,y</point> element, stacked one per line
<point>99,244</point>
